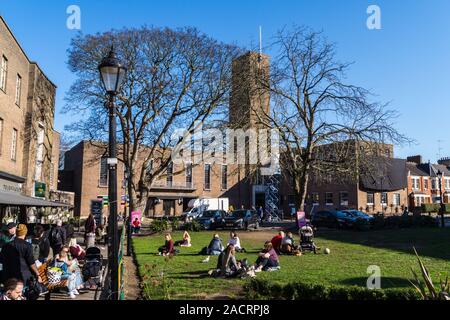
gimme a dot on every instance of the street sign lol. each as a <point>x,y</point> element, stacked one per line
<point>97,211</point>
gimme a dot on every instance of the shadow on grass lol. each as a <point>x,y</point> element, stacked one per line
<point>386,282</point>
<point>430,242</point>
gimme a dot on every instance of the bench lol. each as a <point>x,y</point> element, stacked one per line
<point>51,287</point>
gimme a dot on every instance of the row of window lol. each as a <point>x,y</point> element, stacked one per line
<point>14,136</point>
<point>4,77</point>
<point>343,198</point>
<point>103,180</point>
<point>415,184</point>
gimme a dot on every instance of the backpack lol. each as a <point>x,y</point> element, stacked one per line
<point>36,250</point>
<point>55,236</point>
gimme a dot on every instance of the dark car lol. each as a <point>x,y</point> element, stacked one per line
<point>211,219</point>
<point>359,215</point>
<point>333,219</point>
<point>241,219</point>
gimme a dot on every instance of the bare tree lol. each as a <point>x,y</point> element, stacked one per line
<point>176,79</point>
<point>328,128</point>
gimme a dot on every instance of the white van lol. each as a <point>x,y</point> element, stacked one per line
<point>199,205</point>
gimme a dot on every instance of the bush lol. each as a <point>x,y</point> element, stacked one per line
<point>394,222</point>
<point>160,225</point>
<point>192,226</point>
<point>263,289</point>
<point>430,207</point>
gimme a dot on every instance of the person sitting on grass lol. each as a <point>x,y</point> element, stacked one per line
<point>236,242</point>
<point>215,247</point>
<point>186,242</point>
<point>276,241</point>
<point>227,266</point>
<point>12,290</point>
<point>168,248</point>
<point>267,258</point>
<point>287,244</point>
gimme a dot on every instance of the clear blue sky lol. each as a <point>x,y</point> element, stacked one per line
<point>407,62</point>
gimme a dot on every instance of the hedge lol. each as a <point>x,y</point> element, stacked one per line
<point>264,289</point>
<point>434,207</point>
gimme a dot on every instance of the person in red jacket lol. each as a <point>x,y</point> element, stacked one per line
<point>276,241</point>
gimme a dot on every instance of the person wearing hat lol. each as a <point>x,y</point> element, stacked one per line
<point>8,234</point>
<point>17,258</point>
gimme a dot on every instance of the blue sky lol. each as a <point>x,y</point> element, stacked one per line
<point>407,62</point>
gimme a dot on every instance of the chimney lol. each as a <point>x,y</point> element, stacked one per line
<point>415,159</point>
<point>444,161</point>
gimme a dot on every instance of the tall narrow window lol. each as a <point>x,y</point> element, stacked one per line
<point>207,177</point>
<point>18,89</point>
<point>170,174</point>
<point>14,145</point>
<point>343,198</point>
<point>370,198</point>
<point>188,175</point>
<point>3,73</point>
<point>52,169</point>
<point>39,152</point>
<point>329,199</point>
<point>384,199</point>
<point>224,185</point>
<point>103,179</point>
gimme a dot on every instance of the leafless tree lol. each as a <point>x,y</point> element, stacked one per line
<point>328,128</point>
<point>176,79</point>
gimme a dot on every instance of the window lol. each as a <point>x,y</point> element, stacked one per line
<point>207,176</point>
<point>425,184</point>
<point>396,199</point>
<point>18,89</point>
<point>1,135</point>
<point>224,177</point>
<point>52,169</point>
<point>39,153</point>
<point>169,179</point>
<point>103,181</point>
<point>14,145</point>
<point>415,182</point>
<point>370,198</point>
<point>3,73</point>
<point>329,199</point>
<point>149,168</point>
<point>315,198</point>
<point>343,198</point>
<point>384,199</point>
<point>189,175</point>
<point>433,184</point>
<point>447,183</point>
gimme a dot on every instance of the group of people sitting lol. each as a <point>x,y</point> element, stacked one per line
<point>21,257</point>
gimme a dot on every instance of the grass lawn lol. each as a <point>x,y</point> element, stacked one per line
<point>351,254</point>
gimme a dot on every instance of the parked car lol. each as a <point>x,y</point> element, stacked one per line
<point>211,219</point>
<point>360,215</point>
<point>333,219</point>
<point>241,219</point>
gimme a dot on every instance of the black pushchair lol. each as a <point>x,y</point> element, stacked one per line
<point>307,239</point>
<point>93,267</point>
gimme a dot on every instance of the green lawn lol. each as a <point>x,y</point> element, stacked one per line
<point>185,276</point>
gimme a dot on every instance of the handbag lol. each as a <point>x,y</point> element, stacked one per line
<point>54,276</point>
<point>34,290</point>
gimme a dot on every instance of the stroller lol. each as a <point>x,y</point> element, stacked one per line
<point>307,239</point>
<point>92,268</point>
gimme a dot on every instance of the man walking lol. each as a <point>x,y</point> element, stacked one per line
<point>57,238</point>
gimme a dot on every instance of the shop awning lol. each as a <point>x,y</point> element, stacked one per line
<point>17,199</point>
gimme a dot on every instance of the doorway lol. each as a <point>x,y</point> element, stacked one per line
<point>169,207</point>
<point>260,200</point>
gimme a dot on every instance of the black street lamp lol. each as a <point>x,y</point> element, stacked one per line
<point>112,74</point>
<point>442,209</point>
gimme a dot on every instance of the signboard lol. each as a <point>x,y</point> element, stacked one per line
<point>97,211</point>
<point>301,219</point>
<point>10,186</point>
<point>39,189</point>
<point>134,215</point>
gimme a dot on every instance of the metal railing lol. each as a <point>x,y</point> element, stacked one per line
<point>121,265</point>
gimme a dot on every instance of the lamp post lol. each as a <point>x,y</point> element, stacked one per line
<point>112,74</point>
<point>441,209</point>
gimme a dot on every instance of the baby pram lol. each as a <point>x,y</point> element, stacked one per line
<point>307,239</point>
<point>92,268</point>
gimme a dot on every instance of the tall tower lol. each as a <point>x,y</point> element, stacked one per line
<point>250,98</point>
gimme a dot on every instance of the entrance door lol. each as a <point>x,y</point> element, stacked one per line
<point>260,200</point>
<point>169,207</point>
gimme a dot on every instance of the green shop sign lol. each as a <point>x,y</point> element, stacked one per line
<point>39,189</point>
